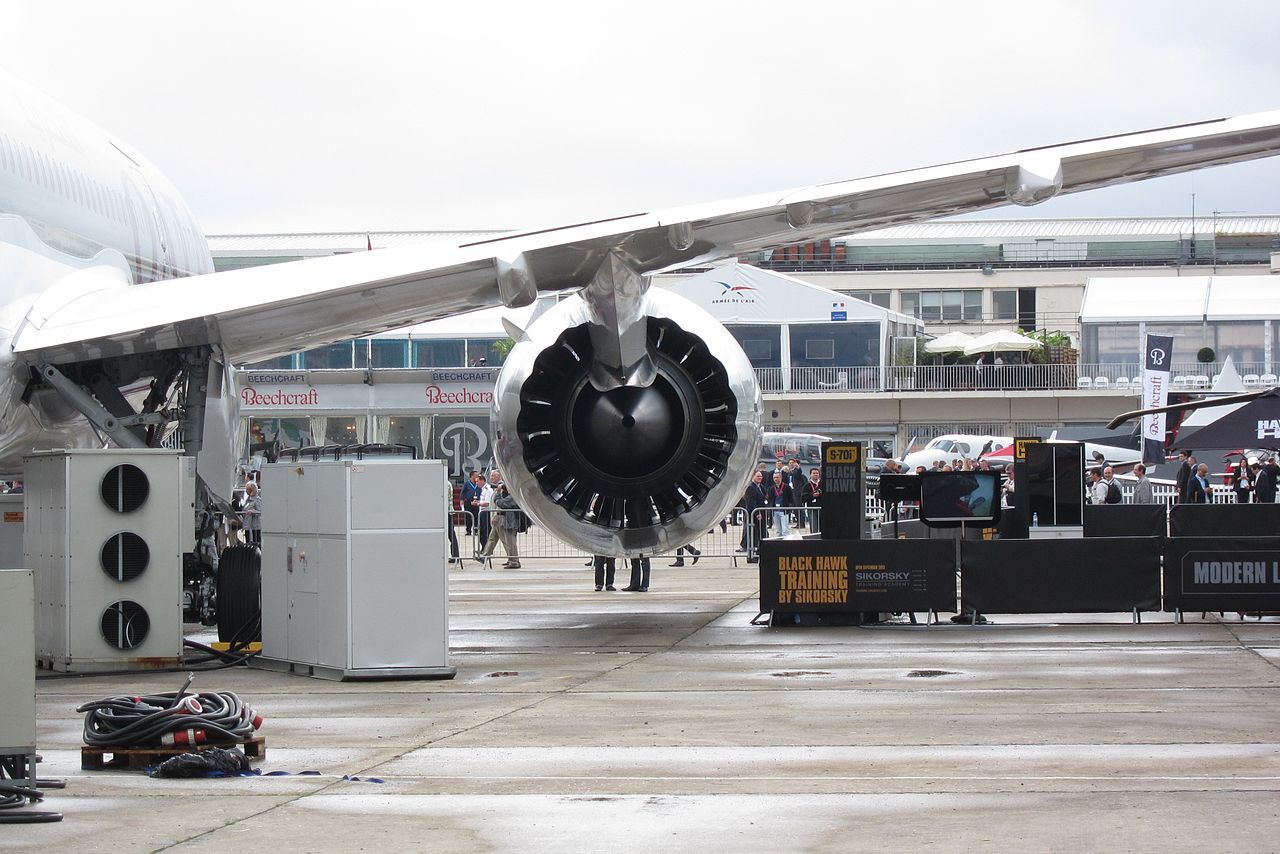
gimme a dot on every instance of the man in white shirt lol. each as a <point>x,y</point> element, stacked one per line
<point>1097,488</point>
<point>485,504</point>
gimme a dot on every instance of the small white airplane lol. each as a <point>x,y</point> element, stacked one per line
<point>627,420</point>
<point>954,446</point>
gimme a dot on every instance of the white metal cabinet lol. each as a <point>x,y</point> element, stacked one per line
<point>104,532</point>
<point>354,580</point>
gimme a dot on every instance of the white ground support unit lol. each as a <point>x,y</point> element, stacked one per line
<point>354,584</point>
<point>105,531</point>
<point>17,663</point>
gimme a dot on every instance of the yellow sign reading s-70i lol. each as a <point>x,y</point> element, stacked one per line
<point>842,454</point>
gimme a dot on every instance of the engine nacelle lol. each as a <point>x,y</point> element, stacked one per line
<point>632,470</point>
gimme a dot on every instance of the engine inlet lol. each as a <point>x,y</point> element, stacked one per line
<point>629,457</point>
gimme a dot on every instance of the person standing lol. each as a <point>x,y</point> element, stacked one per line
<point>780,498</point>
<point>605,568</point>
<point>1097,489</point>
<point>811,497</point>
<point>1112,494</point>
<point>1186,468</point>
<point>1241,484</point>
<point>639,575</point>
<point>448,521</point>
<point>506,527</point>
<point>754,499</point>
<point>796,480</point>
<point>1264,482</point>
<point>1198,491</point>
<point>484,504</point>
<point>251,514</point>
<point>470,496</point>
<point>1143,492</point>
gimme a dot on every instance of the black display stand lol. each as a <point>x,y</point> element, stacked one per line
<point>843,500</point>
<point>813,576</point>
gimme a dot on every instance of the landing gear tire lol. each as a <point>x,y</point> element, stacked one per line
<point>239,595</point>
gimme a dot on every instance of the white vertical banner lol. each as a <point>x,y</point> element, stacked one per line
<point>1157,356</point>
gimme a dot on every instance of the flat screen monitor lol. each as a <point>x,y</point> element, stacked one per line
<point>899,487</point>
<point>960,496</point>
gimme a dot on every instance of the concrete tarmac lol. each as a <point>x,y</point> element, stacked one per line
<point>664,721</point>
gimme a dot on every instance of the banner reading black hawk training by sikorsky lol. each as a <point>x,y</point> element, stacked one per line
<point>1155,392</point>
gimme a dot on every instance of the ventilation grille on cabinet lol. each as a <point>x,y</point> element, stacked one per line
<point>125,488</point>
<point>125,624</point>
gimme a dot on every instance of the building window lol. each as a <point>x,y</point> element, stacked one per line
<point>282,363</point>
<point>388,353</point>
<point>758,349</point>
<point>876,298</point>
<point>439,353</point>
<point>951,306</point>
<point>335,356</point>
<point>820,348</point>
<point>1004,305</point>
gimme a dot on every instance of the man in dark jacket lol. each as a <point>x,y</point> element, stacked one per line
<point>754,499</point>
<point>469,496</point>
<point>811,496</point>
<point>1198,491</point>
<point>1264,486</point>
<point>796,480</point>
<point>1184,474</point>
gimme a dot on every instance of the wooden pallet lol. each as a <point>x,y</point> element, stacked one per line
<point>137,758</point>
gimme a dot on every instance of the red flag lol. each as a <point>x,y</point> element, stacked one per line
<point>368,241</point>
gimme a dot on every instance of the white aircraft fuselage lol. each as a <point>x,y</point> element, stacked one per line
<point>79,211</point>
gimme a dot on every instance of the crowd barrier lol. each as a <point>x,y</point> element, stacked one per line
<point>1109,571</point>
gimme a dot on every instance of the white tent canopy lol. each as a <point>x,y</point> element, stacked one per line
<point>1003,340</point>
<point>952,342</point>
<point>740,293</point>
<point>1171,299</point>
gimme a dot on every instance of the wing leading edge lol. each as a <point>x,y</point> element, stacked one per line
<point>262,312</point>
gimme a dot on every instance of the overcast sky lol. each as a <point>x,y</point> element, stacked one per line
<point>312,116</point>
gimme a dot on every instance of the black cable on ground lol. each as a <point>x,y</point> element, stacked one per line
<point>14,795</point>
<point>174,718</point>
<point>230,658</point>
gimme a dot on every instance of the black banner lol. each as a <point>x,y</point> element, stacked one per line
<point>843,499</point>
<point>1125,520</point>
<point>1222,574</point>
<point>828,576</point>
<point>1060,576</point>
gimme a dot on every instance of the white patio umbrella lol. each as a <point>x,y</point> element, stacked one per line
<point>952,342</point>
<point>1002,340</point>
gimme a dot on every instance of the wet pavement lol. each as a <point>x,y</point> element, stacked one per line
<point>584,721</point>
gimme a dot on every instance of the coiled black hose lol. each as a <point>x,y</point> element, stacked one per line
<point>14,795</point>
<point>173,718</point>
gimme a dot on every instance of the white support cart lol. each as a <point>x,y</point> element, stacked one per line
<point>354,581</point>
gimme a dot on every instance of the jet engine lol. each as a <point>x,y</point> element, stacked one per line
<point>645,463</point>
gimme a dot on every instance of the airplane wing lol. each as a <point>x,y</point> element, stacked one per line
<point>1204,403</point>
<point>259,313</point>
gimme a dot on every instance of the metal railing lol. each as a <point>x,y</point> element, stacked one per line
<point>1108,378</point>
<point>734,535</point>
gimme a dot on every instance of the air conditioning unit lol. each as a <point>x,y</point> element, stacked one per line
<point>105,531</point>
<point>353,569</point>
<point>17,663</point>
